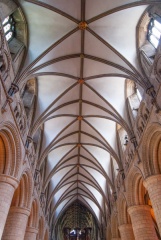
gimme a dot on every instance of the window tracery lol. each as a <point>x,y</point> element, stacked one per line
<point>9,27</point>
<point>134,96</point>
<point>154,31</point>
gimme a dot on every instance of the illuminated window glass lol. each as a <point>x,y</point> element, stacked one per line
<point>8,27</point>
<point>154,32</point>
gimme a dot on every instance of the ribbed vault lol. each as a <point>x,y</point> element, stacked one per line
<point>81,53</point>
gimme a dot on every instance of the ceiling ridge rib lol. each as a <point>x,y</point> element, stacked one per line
<point>123,7</point>
<point>112,64</point>
<point>55,74</point>
<point>106,199</point>
<point>107,75</point>
<point>70,134</point>
<point>43,119</point>
<point>89,160</point>
<point>55,60</point>
<point>66,160</point>
<point>115,51</point>
<point>52,214</point>
<point>81,165</point>
<point>51,175</point>
<point>78,55</point>
<point>98,170</point>
<point>100,166</point>
<point>49,200</point>
<point>103,215</point>
<point>85,204</point>
<point>81,77</point>
<point>62,115</point>
<point>47,149</point>
<point>113,153</point>
<point>23,76</point>
<point>118,118</point>
<point>38,121</point>
<point>64,196</point>
<point>58,186</point>
<point>53,9</point>
<point>99,95</point>
<point>93,194</point>
<point>100,188</point>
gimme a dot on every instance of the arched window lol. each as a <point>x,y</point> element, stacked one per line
<point>148,37</point>
<point>28,94</point>
<point>134,97</point>
<point>9,27</point>
<point>123,137</point>
<point>14,32</point>
<point>154,30</point>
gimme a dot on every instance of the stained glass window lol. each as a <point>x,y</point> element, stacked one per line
<point>8,27</point>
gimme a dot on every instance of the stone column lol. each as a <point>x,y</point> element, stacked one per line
<point>7,187</point>
<point>142,222</point>
<point>31,233</point>
<point>126,232</point>
<point>153,186</point>
<point>16,224</point>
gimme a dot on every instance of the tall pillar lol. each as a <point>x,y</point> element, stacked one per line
<point>126,232</point>
<point>142,222</point>
<point>31,233</point>
<point>153,186</point>
<point>7,187</point>
<point>16,224</point>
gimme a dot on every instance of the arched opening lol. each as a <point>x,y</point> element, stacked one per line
<point>148,202</point>
<point>19,210</point>
<point>151,151</point>
<point>114,226</point>
<point>14,30</point>
<point>149,37</point>
<point>10,159</point>
<point>40,235</point>
<point>32,225</point>
<point>2,156</point>
<point>139,207</point>
<point>46,237</point>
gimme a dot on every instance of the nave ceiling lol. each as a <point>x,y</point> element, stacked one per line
<point>81,52</point>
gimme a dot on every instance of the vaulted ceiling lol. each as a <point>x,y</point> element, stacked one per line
<point>81,53</point>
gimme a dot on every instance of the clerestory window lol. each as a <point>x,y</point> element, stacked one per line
<point>154,31</point>
<point>9,27</point>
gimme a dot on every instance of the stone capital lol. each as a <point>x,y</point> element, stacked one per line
<point>125,226</point>
<point>21,210</point>
<point>137,208</point>
<point>9,180</point>
<point>152,180</point>
<point>32,230</point>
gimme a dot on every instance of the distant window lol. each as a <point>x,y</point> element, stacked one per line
<point>9,27</point>
<point>154,31</point>
<point>139,94</point>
